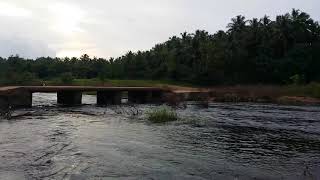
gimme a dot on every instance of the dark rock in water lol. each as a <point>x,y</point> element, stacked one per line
<point>49,161</point>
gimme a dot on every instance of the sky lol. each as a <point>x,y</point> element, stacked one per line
<point>110,28</point>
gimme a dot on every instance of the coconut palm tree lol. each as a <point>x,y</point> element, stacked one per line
<point>238,23</point>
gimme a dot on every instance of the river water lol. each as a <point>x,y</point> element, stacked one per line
<point>224,141</point>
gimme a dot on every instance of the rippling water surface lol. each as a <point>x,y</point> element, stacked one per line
<point>224,141</point>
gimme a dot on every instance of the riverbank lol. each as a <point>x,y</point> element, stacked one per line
<point>286,94</point>
<point>290,95</point>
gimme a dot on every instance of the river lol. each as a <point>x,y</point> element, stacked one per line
<point>224,141</point>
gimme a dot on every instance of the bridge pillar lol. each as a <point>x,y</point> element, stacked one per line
<point>69,97</point>
<point>139,97</point>
<point>157,97</point>
<point>20,99</point>
<point>4,103</point>
<point>109,97</point>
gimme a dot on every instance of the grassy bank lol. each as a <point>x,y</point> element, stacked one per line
<point>288,94</point>
<point>310,90</point>
<point>118,82</point>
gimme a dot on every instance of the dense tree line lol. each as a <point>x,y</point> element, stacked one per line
<point>248,52</point>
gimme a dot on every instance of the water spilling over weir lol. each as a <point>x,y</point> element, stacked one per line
<point>223,141</point>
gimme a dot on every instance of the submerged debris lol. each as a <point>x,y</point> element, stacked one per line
<point>7,113</point>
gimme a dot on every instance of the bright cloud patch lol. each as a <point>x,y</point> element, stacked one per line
<point>7,9</point>
<point>66,18</point>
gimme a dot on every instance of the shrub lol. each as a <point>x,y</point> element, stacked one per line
<point>297,79</point>
<point>161,115</point>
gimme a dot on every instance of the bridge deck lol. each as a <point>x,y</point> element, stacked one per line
<point>21,96</point>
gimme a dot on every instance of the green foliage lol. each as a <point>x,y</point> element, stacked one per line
<point>255,51</point>
<point>23,78</point>
<point>297,79</point>
<point>162,115</point>
<point>66,78</point>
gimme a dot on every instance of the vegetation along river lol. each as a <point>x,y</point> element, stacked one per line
<point>224,141</point>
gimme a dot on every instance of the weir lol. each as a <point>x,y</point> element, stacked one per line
<point>20,97</point>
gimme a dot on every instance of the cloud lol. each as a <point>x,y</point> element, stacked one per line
<point>65,18</point>
<point>25,48</point>
<point>7,9</point>
<point>108,28</point>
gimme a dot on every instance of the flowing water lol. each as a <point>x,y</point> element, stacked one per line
<point>224,141</point>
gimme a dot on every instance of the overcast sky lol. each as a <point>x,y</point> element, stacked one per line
<point>110,28</point>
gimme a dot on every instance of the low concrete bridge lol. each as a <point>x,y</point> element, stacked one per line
<point>21,96</point>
